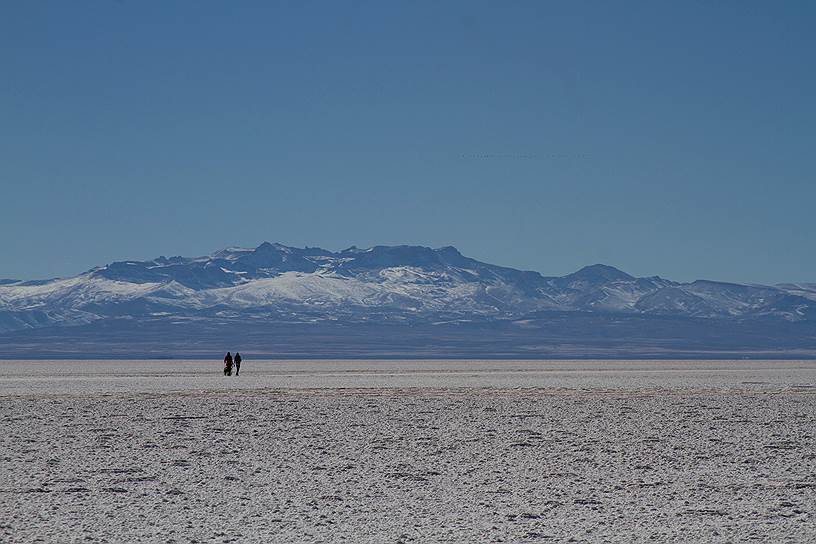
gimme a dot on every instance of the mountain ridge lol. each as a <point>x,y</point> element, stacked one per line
<point>275,284</point>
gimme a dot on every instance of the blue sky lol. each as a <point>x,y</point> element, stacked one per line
<point>662,138</point>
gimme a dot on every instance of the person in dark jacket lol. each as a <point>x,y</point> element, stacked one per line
<point>228,364</point>
<point>237,363</point>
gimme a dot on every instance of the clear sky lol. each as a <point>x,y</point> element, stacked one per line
<point>668,138</point>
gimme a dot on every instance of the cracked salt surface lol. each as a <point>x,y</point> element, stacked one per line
<point>408,451</point>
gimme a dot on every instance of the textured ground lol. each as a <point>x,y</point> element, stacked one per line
<point>408,452</point>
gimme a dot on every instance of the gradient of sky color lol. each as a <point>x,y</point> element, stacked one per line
<point>671,139</point>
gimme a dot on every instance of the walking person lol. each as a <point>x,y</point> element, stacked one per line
<point>237,363</point>
<point>228,364</point>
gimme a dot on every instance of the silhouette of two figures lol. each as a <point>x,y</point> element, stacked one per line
<point>229,362</point>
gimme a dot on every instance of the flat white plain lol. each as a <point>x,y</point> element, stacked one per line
<point>401,451</point>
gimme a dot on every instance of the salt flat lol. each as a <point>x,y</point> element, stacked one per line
<point>408,451</point>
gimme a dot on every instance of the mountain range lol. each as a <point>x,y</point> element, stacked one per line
<point>393,301</point>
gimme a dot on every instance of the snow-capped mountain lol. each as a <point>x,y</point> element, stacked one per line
<point>384,284</point>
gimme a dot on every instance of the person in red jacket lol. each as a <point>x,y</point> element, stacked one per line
<point>228,364</point>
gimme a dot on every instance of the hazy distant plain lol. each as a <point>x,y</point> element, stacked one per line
<point>398,451</point>
<point>169,376</point>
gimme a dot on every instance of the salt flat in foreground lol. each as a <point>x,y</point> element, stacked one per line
<point>399,451</point>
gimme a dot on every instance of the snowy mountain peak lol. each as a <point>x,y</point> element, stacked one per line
<point>228,253</point>
<point>267,247</point>
<point>405,284</point>
<point>600,273</point>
